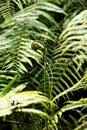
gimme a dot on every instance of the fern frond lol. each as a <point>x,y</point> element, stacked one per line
<point>20,32</point>
<point>50,7</point>
<point>7,9</point>
<point>73,105</point>
<point>70,55</point>
<point>12,99</point>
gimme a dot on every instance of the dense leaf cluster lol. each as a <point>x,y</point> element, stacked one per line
<point>43,57</point>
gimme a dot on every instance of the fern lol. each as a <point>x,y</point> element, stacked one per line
<point>70,55</point>
<point>58,71</point>
<point>65,73</point>
<point>7,9</point>
<point>20,33</point>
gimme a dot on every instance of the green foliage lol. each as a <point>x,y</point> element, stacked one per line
<point>43,88</point>
<point>7,9</point>
<point>20,32</point>
<point>14,100</point>
<point>70,54</point>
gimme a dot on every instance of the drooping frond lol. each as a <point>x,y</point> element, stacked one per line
<point>71,53</point>
<point>74,104</point>
<point>15,99</point>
